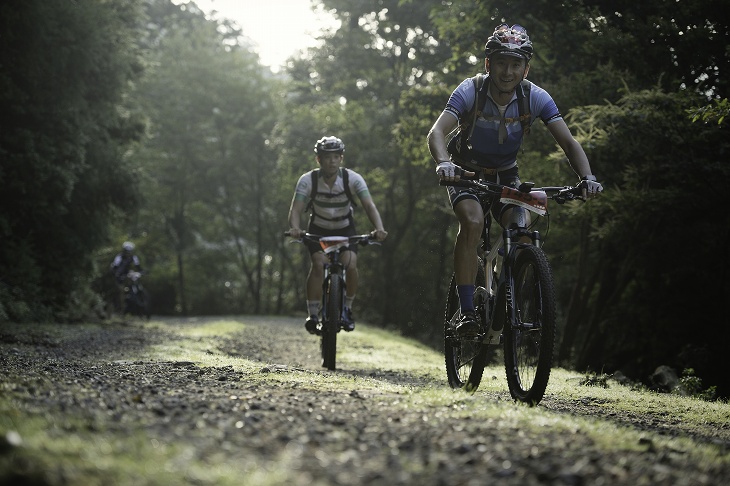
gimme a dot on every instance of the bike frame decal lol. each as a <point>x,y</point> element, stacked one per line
<point>535,201</point>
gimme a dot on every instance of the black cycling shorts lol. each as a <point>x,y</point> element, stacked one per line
<point>509,177</point>
<point>314,247</point>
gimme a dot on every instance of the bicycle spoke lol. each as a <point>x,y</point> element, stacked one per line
<point>464,356</point>
<point>530,340</point>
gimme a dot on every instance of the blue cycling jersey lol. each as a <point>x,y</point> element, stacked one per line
<point>489,151</point>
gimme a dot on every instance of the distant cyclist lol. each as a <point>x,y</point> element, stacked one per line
<point>328,194</point>
<point>124,262</point>
<point>493,146</point>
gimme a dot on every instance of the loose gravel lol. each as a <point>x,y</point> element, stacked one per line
<point>347,436</point>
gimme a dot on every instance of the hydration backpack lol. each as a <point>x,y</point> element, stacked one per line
<point>345,182</point>
<point>459,146</point>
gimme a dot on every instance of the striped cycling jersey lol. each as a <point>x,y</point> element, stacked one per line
<point>486,146</point>
<point>331,206</point>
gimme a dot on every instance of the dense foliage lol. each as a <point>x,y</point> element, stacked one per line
<point>64,69</point>
<point>203,185</point>
<point>206,159</point>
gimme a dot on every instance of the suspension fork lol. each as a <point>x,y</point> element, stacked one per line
<point>512,244</point>
<point>325,291</point>
<point>339,268</point>
<point>509,255</point>
<point>333,266</point>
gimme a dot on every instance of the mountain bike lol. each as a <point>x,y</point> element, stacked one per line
<point>136,299</point>
<point>514,298</point>
<point>334,290</point>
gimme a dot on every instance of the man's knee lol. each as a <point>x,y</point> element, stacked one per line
<point>471,223</point>
<point>349,259</point>
<point>318,261</point>
<point>470,215</point>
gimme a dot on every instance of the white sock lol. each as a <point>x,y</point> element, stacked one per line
<point>313,307</point>
<point>348,301</point>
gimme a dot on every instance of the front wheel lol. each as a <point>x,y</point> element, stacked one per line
<point>143,303</point>
<point>136,302</point>
<point>331,324</point>
<point>529,335</point>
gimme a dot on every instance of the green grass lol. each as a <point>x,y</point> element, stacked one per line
<point>401,375</point>
<point>688,411</point>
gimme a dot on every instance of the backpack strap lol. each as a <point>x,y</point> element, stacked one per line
<point>480,98</point>
<point>481,89</point>
<point>522,92</point>
<point>346,183</point>
<point>314,174</point>
<point>523,104</point>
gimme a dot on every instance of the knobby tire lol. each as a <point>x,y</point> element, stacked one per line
<point>465,358</point>
<point>144,304</point>
<point>137,304</point>
<point>332,323</point>
<point>529,340</point>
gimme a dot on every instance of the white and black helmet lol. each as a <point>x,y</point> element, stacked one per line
<point>509,41</point>
<point>128,246</point>
<point>329,144</point>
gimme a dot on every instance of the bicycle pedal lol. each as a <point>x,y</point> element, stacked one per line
<point>477,338</point>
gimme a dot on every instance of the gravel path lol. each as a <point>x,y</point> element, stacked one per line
<point>344,436</point>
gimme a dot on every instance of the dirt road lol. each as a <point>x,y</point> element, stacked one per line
<point>295,430</point>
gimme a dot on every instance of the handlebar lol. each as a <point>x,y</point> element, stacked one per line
<point>366,239</point>
<point>559,194</point>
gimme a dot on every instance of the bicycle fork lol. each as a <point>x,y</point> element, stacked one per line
<point>330,268</point>
<point>496,269</point>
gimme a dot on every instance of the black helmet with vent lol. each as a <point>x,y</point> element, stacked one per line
<point>329,144</point>
<point>509,41</point>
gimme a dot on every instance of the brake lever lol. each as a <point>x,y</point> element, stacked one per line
<point>568,195</point>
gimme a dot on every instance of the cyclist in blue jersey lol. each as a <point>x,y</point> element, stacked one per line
<point>328,194</point>
<point>493,146</point>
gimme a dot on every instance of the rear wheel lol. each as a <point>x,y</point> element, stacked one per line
<point>331,324</point>
<point>530,339</point>
<point>465,357</point>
